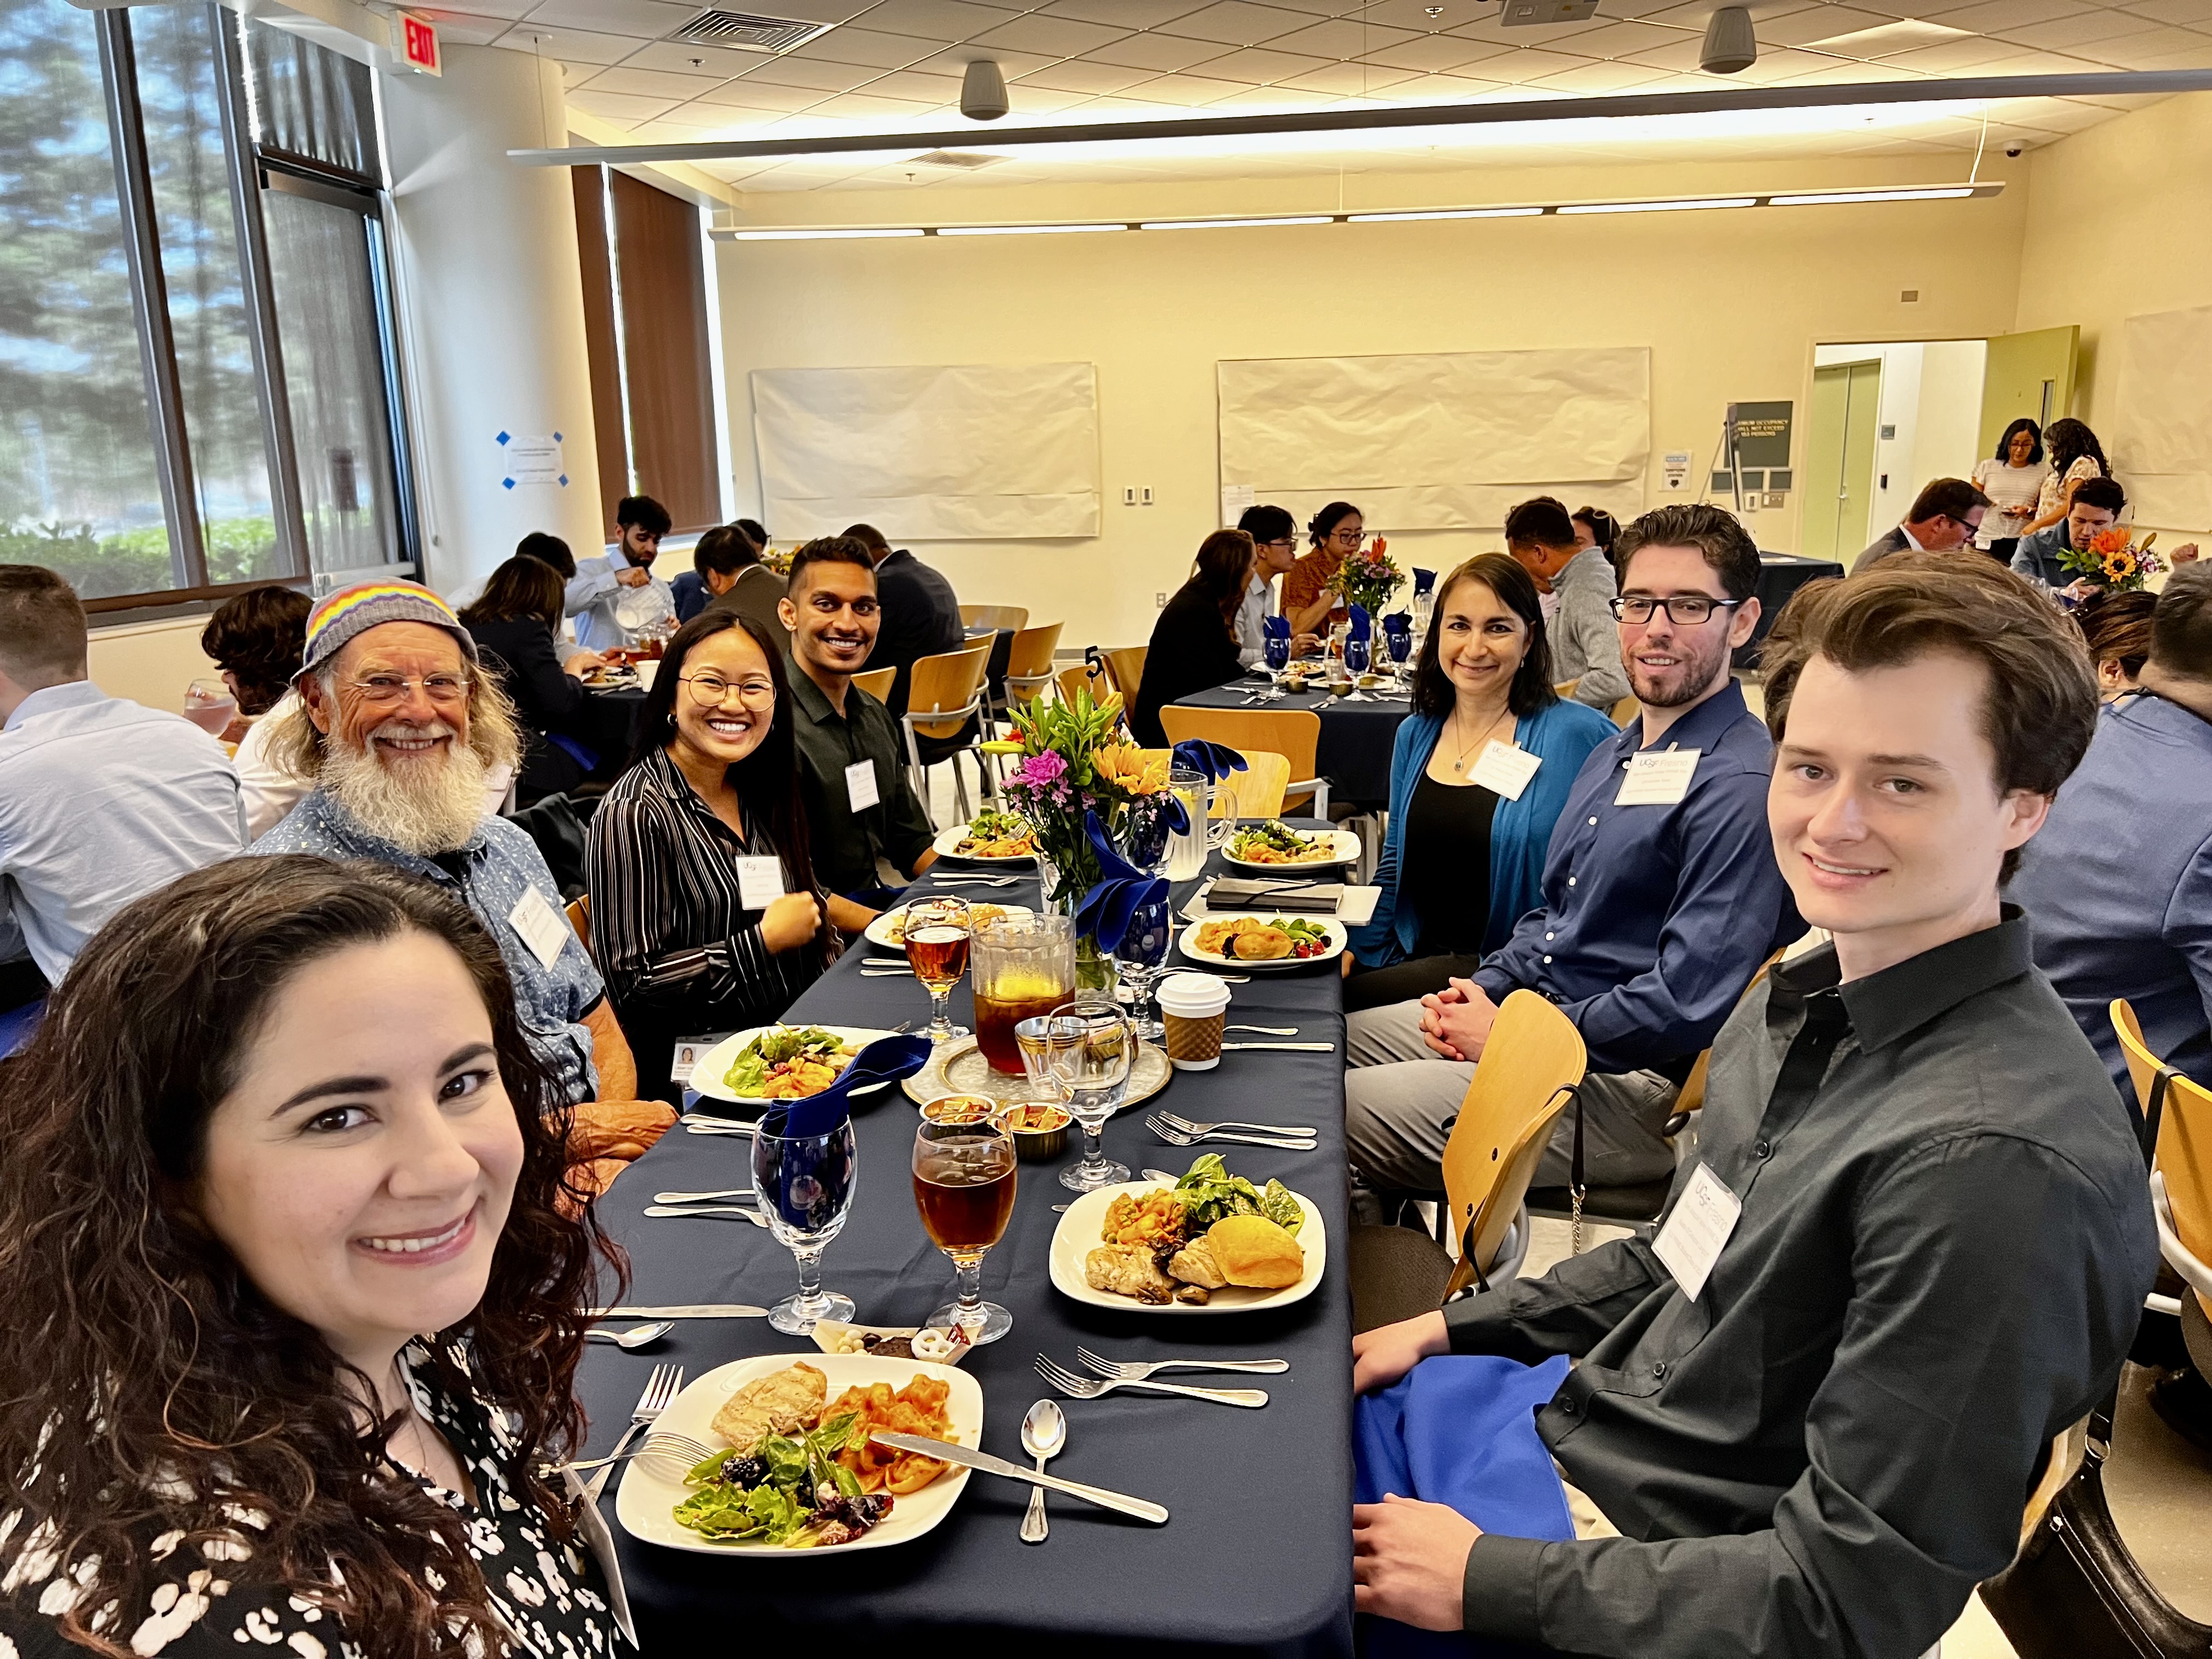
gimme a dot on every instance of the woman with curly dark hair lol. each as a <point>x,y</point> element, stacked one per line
<point>294,1313</point>
<point>256,639</point>
<point>2075,454</point>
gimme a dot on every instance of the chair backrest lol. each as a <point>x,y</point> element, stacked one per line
<point>1083,677</point>
<point>2185,1158</point>
<point>994,616</point>
<point>877,681</point>
<point>1126,666</point>
<point>949,681</point>
<point>1293,733</point>
<point>1257,791</point>
<point>1532,1056</point>
<point>579,918</point>
<point>1624,710</point>
<point>1566,689</point>
<point>2144,1067</point>
<point>1028,665</point>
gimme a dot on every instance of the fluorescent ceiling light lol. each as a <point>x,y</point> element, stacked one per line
<point>1887,39</point>
<point>1445,213</point>
<point>1023,230</point>
<point>1231,224</point>
<point>1826,197</point>
<point>821,236</point>
<point>1659,207</point>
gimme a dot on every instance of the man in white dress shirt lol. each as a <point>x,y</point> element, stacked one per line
<point>615,596</point>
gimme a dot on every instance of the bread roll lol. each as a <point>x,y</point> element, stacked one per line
<point>1250,1249</point>
<point>1195,1264</point>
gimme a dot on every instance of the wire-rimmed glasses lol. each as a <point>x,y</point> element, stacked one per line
<point>964,1187</point>
<point>804,1184</point>
<point>1081,1056</point>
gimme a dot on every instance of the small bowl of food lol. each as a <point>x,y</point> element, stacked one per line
<point>960,1108</point>
<point>1039,1130</point>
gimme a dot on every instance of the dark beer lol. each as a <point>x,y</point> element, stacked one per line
<point>964,1189</point>
<point>938,955</point>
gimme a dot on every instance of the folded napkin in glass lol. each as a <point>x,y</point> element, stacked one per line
<point>884,1060</point>
<point>1121,891</point>
<point>1424,582</point>
<point>1216,760</point>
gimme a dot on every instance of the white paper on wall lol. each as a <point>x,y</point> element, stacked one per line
<point>2163,447</point>
<point>1443,440</point>
<point>973,453</point>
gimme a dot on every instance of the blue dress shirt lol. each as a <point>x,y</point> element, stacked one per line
<point>1654,918</point>
<point>2118,886</point>
<point>489,873</point>
<point>101,801</point>
<point>592,594</point>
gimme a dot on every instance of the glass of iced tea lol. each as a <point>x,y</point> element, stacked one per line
<point>937,950</point>
<point>1024,966</point>
<point>963,1185</point>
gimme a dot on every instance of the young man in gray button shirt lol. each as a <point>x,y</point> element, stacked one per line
<point>1816,1435</point>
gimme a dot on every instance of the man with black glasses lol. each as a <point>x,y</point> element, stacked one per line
<point>1660,898</point>
<point>1274,534</point>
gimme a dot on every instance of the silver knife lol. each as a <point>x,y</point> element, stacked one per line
<point>990,1465</point>
<point>1292,1047</point>
<point>690,1310</point>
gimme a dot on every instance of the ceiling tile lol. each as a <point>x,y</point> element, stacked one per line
<point>2169,48</point>
<point>465,30</point>
<point>1519,67</point>
<point>648,18</point>
<point>812,72</point>
<point>1351,79</point>
<point>934,20</point>
<point>814,11</point>
<point>1681,56</point>
<point>1441,90</point>
<point>1621,39</point>
<point>1234,22</point>
<point>1026,98</point>
<point>1122,13</point>
<point>1819,23</point>
<point>1259,67</point>
<point>1997,16</point>
<point>571,46</point>
<point>2178,12</point>
<point>676,58</point>
<point>2083,28</point>
<point>1597,78</point>
<point>942,89</point>
<point>1089,78</point>
<point>762,94</point>
<point>1258,101</point>
<point>1429,54</point>
<point>1414,15</point>
<point>1187,91</point>
<point>1976,54</point>
<point>1844,73</point>
<point>1344,39</point>
<point>1162,52</point>
<point>619,106</point>
<point>858,106</point>
<point>720,118</point>
<point>652,83</point>
<point>851,44</point>
<point>954,61</point>
<point>1059,37</point>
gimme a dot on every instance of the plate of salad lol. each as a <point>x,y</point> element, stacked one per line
<point>990,837</point>
<point>778,1062</point>
<point>1272,845</point>
<point>808,1477</point>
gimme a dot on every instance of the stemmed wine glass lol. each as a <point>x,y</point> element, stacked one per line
<point>1082,1053</point>
<point>1358,655</point>
<point>1401,650</point>
<point>805,1187</point>
<point>1141,954</point>
<point>963,1185</point>
<point>937,936</point>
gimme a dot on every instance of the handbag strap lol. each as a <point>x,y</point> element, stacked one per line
<point>1574,1091</point>
<point>2147,1131</point>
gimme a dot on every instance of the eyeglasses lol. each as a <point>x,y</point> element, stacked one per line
<point>710,690</point>
<point>1684,610</point>
<point>1289,544</point>
<point>384,689</point>
<point>1349,538</point>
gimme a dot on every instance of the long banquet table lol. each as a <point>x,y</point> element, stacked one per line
<point>1356,738</point>
<point>1257,1558</point>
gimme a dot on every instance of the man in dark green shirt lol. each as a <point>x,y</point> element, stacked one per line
<point>1913,1243</point>
<point>860,807</point>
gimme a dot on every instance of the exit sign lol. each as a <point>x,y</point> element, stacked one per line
<point>419,44</point>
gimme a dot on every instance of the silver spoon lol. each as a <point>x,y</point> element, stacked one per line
<point>743,1194</point>
<point>664,1210</point>
<point>1265,1030</point>
<point>1044,1432</point>
<point>636,1336</point>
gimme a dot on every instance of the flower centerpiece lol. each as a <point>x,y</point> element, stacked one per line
<point>1367,578</point>
<point>2114,560</point>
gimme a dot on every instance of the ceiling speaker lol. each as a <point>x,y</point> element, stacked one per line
<point>1729,44</point>
<point>983,91</point>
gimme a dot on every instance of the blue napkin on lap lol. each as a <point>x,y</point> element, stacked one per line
<point>1424,582</point>
<point>1121,891</point>
<point>884,1060</point>
<point>1216,760</point>
<point>1361,625</point>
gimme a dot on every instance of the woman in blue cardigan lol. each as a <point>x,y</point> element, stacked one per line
<point>1464,855</point>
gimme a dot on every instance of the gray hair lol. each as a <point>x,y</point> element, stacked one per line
<point>297,746</point>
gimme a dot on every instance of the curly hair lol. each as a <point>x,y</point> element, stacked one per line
<point>194,1397</point>
<point>258,638</point>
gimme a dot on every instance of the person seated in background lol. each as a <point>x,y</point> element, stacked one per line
<point>729,563</point>
<point>1595,527</point>
<point>705,915</point>
<point>1657,909</point>
<point>516,625</point>
<point>397,724</point>
<point>1945,516</point>
<point>2013,480</point>
<point>1463,857</point>
<point>1275,539</point>
<point>254,639</point>
<point>1808,1428</point>
<point>2096,504</point>
<point>615,596</point>
<point>919,613</point>
<point>285,1121</point>
<point>2119,883</point>
<point>1337,531</point>
<point>865,822</point>
<point>548,550</point>
<point>1193,643</point>
<point>2075,456</point>
<point>1578,584</point>
<point>101,799</point>
<point>2116,627</point>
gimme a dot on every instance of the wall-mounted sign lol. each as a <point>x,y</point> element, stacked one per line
<point>418,45</point>
<point>1677,465</point>
<point>1762,433</point>
<point>524,460</point>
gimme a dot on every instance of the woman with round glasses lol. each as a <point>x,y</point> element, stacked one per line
<point>705,913</point>
<point>1337,531</point>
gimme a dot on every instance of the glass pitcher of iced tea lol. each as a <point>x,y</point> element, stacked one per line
<point>1021,966</point>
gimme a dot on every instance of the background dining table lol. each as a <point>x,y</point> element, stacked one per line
<point>1354,751</point>
<point>1257,1557</point>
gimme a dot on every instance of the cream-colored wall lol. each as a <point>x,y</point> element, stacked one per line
<point>150,663</point>
<point>1730,303</point>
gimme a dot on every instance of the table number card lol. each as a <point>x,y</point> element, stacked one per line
<point>1660,779</point>
<point>1505,769</point>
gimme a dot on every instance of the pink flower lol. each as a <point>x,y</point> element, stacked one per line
<point>1038,770</point>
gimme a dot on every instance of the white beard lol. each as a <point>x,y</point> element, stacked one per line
<point>426,803</point>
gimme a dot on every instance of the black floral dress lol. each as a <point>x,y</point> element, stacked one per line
<point>553,1597</point>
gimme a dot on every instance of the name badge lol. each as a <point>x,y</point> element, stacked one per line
<point>860,790</point>
<point>540,927</point>
<point>684,1059</point>
<point>760,882</point>
<point>1697,1229</point>
<point>1505,769</point>
<point>1658,779</point>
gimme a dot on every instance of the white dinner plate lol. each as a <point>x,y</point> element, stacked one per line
<point>948,842</point>
<point>1343,845</point>
<point>1338,939</point>
<point>1077,1235</point>
<point>707,1074</point>
<point>652,1487</point>
<point>879,931</point>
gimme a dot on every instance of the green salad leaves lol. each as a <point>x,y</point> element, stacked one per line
<point>780,1505</point>
<point>1209,1192</point>
<point>748,1073</point>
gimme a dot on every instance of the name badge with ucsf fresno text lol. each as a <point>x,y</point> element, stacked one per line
<point>1505,770</point>
<point>760,882</point>
<point>1697,1229</point>
<point>860,790</point>
<point>1658,778</point>
<point>540,927</point>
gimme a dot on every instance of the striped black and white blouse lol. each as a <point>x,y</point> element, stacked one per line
<point>681,955</point>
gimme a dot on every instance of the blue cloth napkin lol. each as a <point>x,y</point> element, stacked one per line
<point>884,1060</point>
<point>1398,621</point>
<point>1423,580</point>
<point>1275,627</point>
<point>1461,1431</point>
<point>1361,625</point>
<point>1216,760</point>
<point>1121,891</point>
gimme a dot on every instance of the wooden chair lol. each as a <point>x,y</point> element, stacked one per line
<point>1127,668</point>
<point>1257,791</point>
<point>1624,710</point>
<point>579,918</point>
<point>945,692</point>
<point>2144,1067</point>
<point>1566,689</point>
<point>877,681</point>
<point>1293,733</point>
<point>1521,1084</point>
<point>1084,678</point>
<point>1028,665</point>
<point>997,617</point>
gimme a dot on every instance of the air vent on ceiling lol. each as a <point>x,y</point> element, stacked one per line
<point>953,158</point>
<point>748,31</point>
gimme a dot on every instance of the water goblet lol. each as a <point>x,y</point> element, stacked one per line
<point>963,1185</point>
<point>804,1184</point>
<point>1357,655</point>
<point>937,941</point>
<point>1275,652</point>
<point>1141,954</point>
<point>1087,1050</point>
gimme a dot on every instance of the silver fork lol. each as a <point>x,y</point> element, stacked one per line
<point>1090,1387</point>
<point>975,881</point>
<point>663,1386</point>
<point>1293,1131</point>
<point>1176,1137</point>
<point>1136,1370</point>
<point>657,1442</point>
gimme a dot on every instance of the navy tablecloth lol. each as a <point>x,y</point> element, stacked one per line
<point>1354,754</point>
<point>1257,1559</point>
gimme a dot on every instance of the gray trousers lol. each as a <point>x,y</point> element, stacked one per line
<point>1398,1096</point>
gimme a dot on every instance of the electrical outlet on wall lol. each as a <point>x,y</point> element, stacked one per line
<point>1159,601</point>
<point>1129,496</point>
<point>1146,493</point>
